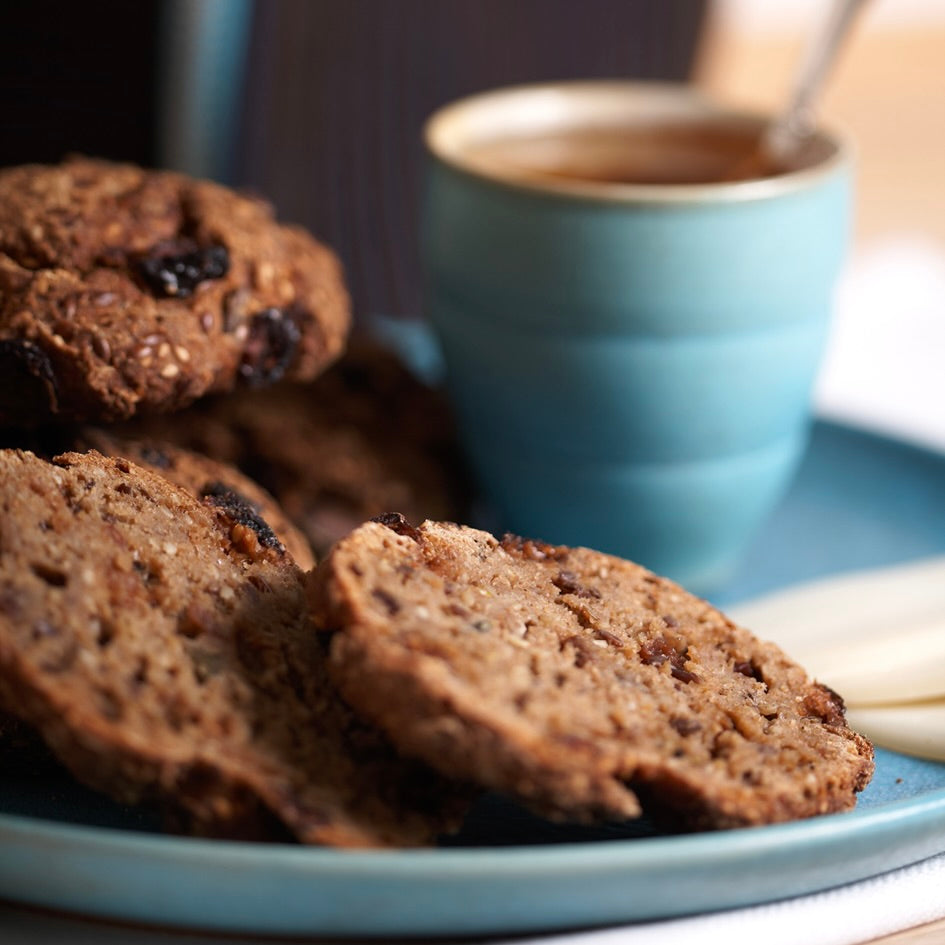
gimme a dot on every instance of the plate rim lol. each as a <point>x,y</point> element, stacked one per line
<point>832,827</point>
<point>797,858</point>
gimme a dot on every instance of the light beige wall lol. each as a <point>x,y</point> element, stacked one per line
<point>888,90</point>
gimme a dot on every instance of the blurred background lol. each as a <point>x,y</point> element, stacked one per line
<point>318,104</point>
<point>883,368</point>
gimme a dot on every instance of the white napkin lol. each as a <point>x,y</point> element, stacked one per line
<point>848,915</point>
<point>883,365</point>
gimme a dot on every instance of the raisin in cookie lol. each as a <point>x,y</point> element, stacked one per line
<point>123,289</point>
<point>364,438</point>
<point>579,682</point>
<point>161,648</point>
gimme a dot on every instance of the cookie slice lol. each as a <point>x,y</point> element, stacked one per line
<point>161,648</point>
<point>200,475</point>
<point>577,681</point>
<point>205,478</point>
<point>124,289</point>
<point>363,438</point>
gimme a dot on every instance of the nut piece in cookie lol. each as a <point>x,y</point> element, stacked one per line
<point>578,682</point>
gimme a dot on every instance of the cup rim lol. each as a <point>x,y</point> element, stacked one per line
<point>446,125</point>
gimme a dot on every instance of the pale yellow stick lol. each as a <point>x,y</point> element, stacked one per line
<point>877,637</point>
<point>917,729</point>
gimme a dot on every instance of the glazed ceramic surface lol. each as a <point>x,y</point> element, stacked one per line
<point>631,364</point>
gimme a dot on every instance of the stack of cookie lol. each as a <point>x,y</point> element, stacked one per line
<point>181,314</point>
<point>180,449</point>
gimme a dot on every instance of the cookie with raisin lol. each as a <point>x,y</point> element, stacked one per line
<point>365,437</point>
<point>125,290</point>
<point>162,649</point>
<point>199,474</point>
<point>207,479</point>
<point>578,682</point>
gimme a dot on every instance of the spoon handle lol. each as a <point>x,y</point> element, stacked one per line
<point>796,122</point>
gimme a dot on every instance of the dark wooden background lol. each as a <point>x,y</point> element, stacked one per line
<point>78,77</point>
<point>333,98</point>
<point>337,93</point>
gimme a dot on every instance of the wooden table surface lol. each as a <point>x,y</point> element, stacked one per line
<point>933,932</point>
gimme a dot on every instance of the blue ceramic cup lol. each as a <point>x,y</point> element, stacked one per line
<point>630,339</point>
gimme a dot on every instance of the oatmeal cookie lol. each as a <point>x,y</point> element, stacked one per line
<point>205,478</point>
<point>125,290</point>
<point>581,683</point>
<point>364,438</point>
<point>162,649</point>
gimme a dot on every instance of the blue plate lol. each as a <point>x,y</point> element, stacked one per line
<point>859,501</point>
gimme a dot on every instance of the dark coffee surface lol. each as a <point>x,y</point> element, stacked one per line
<point>648,154</point>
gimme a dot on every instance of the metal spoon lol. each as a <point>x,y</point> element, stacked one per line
<point>784,138</point>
